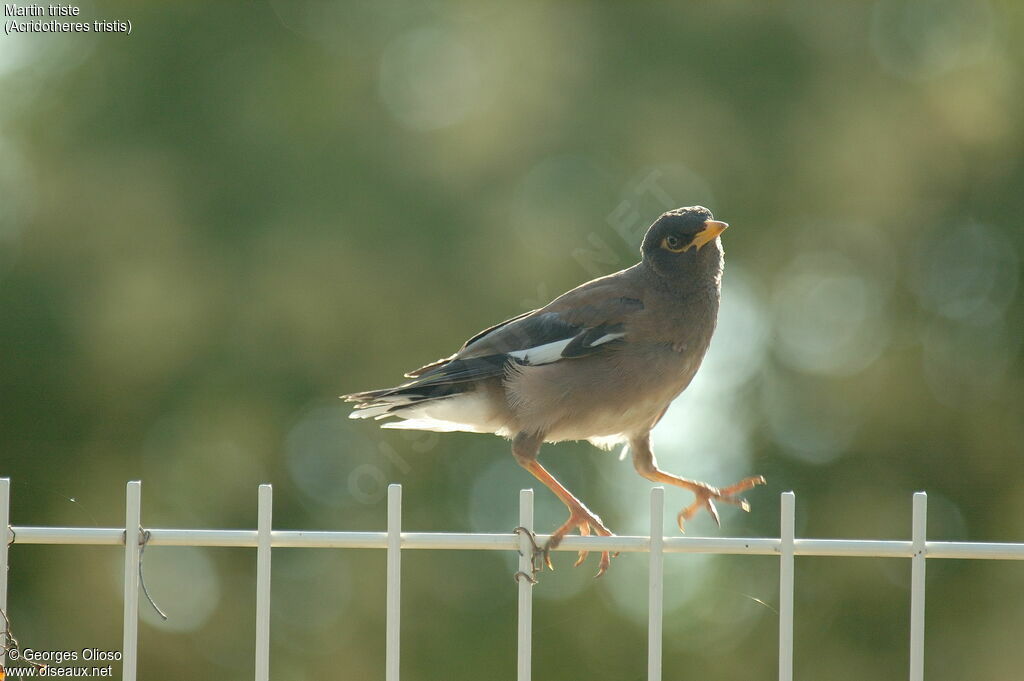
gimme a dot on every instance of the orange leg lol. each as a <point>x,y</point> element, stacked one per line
<point>645,464</point>
<point>525,449</point>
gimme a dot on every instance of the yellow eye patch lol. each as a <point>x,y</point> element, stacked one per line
<point>712,228</point>
<point>675,244</point>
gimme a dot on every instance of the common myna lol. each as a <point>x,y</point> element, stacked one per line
<point>601,363</point>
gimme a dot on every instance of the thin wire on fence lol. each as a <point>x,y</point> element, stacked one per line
<point>394,541</point>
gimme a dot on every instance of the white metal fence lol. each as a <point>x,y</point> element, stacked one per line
<point>264,539</point>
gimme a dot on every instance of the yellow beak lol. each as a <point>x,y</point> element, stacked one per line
<point>712,228</point>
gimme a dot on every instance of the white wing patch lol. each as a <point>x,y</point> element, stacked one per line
<point>552,352</point>
<point>607,338</point>
<point>542,354</point>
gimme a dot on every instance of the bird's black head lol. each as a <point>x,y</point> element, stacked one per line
<point>684,243</point>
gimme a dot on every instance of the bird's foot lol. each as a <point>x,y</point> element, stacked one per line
<point>586,522</point>
<point>708,495</point>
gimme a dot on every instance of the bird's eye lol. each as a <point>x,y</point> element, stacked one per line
<point>673,243</point>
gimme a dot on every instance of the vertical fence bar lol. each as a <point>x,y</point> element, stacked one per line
<point>920,533</point>
<point>5,521</point>
<point>394,598</point>
<point>656,585</point>
<point>787,538</point>
<point>264,525</point>
<point>524,656</point>
<point>132,526</point>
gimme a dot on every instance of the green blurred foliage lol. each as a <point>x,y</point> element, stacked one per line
<point>213,226</point>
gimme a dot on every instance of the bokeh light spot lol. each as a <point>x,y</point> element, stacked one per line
<point>966,272</point>
<point>628,591</point>
<point>183,581</point>
<point>431,79</point>
<point>809,422</point>
<point>327,456</point>
<point>311,592</point>
<point>967,361</point>
<point>829,315</point>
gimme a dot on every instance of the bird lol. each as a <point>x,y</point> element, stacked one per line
<point>601,362</point>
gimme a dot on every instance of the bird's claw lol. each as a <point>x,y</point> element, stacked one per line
<point>584,521</point>
<point>708,495</point>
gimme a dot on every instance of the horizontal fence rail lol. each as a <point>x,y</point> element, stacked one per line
<point>89,536</point>
<point>134,537</point>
